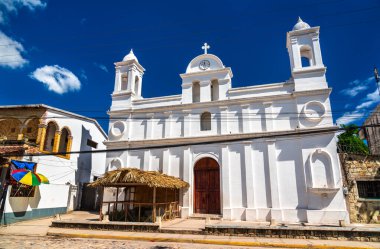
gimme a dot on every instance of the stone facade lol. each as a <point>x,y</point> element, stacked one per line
<point>372,134</point>
<point>361,168</point>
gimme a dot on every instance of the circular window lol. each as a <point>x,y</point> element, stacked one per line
<point>314,111</point>
<point>115,164</point>
<point>118,128</point>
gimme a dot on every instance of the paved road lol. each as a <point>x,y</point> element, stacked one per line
<point>46,242</point>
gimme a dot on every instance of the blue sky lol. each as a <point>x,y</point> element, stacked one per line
<point>61,53</point>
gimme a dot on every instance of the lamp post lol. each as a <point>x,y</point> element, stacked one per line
<point>377,78</point>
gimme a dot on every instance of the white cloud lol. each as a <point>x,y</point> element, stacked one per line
<point>12,6</point>
<point>358,87</point>
<point>83,74</point>
<point>101,66</point>
<point>368,102</point>
<point>57,79</point>
<point>10,52</point>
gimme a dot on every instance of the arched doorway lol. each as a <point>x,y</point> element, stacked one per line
<point>207,186</point>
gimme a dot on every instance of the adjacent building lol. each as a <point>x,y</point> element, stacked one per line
<point>41,130</point>
<point>256,153</point>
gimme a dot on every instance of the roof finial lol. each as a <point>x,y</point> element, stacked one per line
<point>205,47</point>
<point>299,19</point>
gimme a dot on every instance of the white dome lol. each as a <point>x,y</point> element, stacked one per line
<point>130,56</point>
<point>300,25</point>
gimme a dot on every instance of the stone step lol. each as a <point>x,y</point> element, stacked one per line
<point>204,216</point>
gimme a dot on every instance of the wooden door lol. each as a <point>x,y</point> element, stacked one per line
<point>207,187</point>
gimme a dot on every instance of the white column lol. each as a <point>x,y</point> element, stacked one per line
<point>117,80</point>
<point>317,51</point>
<point>149,125</point>
<point>205,90</point>
<point>268,116</point>
<point>246,118</point>
<point>251,212</point>
<point>187,123</point>
<point>296,54</point>
<point>168,124</point>
<point>223,119</point>
<point>226,189</point>
<point>187,207</point>
<point>275,195</point>
<point>166,161</point>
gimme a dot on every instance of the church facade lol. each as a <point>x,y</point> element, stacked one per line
<point>257,153</point>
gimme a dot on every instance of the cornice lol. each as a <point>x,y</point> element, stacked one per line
<point>309,70</point>
<point>224,139</point>
<point>219,103</point>
<point>202,73</point>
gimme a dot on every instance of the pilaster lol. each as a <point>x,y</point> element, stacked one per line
<point>268,116</point>
<point>223,119</point>
<point>187,207</point>
<point>187,123</point>
<point>251,213</point>
<point>147,160</point>
<point>168,124</point>
<point>166,161</point>
<point>226,189</point>
<point>246,118</point>
<point>149,124</point>
<point>273,178</point>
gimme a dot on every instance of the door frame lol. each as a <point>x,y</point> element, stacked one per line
<point>196,160</point>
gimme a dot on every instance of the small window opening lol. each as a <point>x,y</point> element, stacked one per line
<point>92,143</point>
<point>306,56</point>
<point>368,189</point>
<point>137,83</point>
<point>206,121</point>
<point>124,81</point>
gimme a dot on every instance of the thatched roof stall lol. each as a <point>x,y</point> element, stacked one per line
<point>132,175</point>
<point>134,195</point>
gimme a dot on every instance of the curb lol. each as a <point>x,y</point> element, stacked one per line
<point>204,241</point>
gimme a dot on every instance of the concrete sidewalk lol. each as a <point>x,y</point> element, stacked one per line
<point>210,239</point>
<point>42,227</point>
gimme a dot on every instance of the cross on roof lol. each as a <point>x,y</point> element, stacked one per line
<point>205,47</point>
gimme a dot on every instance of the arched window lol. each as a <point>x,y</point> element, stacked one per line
<point>124,81</point>
<point>306,56</point>
<point>64,140</point>
<point>50,136</point>
<point>137,83</point>
<point>214,90</point>
<point>196,92</point>
<point>206,121</point>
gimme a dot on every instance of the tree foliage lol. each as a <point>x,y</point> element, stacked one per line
<point>350,142</point>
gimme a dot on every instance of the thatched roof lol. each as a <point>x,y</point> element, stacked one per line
<point>132,175</point>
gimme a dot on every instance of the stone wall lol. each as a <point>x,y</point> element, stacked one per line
<point>356,168</point>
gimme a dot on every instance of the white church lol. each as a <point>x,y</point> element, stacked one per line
<point>256,153</point>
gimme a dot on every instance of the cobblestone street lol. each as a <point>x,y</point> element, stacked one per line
<point>26,242</point>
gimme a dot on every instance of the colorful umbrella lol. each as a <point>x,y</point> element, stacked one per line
<point>43,178</point>
<point>26,177</point>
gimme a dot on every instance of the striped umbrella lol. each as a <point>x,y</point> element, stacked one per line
<point>26,177</point>
<point>43,178</point>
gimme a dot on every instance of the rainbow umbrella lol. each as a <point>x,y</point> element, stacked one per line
<point>43,178</point>
<point>26,177</point>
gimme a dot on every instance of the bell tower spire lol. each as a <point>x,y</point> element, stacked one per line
<point>305,56</point>
<point>128,81</point>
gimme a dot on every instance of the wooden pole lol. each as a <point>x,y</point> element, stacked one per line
<point>101,204</point>
<point>154,205</point>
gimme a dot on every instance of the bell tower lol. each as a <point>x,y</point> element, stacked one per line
<point>305,56</point>
<point>128,82</point>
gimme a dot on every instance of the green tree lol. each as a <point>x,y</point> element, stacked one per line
<point>350,142</point>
